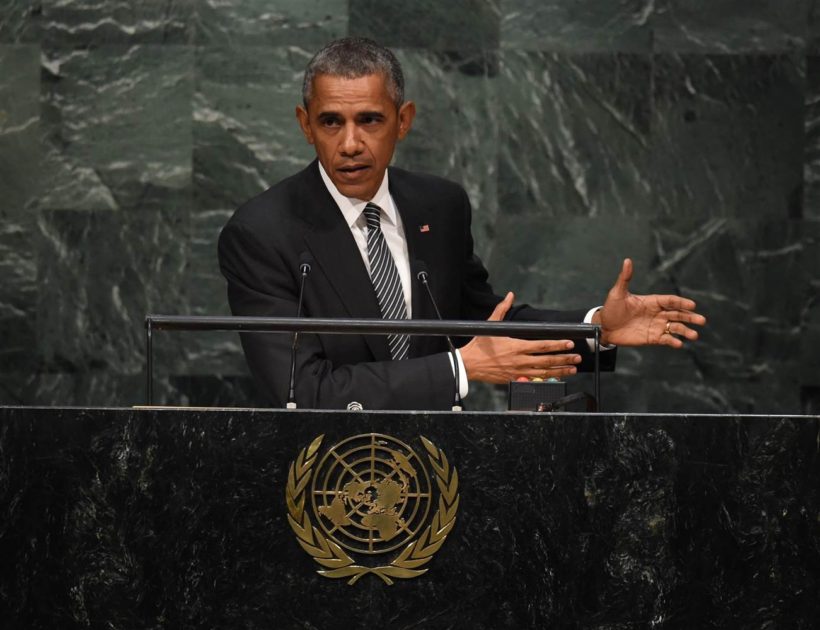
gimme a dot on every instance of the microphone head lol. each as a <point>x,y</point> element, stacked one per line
<point>421,270</point>
<point>305,260</point>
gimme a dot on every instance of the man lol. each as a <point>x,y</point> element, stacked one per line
<point>365,226</point>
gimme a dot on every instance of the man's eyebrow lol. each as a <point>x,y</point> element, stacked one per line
<point>324,115</point>
<point>370,115</point>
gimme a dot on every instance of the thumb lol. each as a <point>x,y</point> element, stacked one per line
<point>621,285</point>
<point>502,308</point>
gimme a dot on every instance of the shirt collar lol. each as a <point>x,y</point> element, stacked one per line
<point>352,208</point>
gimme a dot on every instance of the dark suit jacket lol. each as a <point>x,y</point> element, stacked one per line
<point>259,254</point>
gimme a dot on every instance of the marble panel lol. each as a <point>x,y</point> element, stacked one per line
<point>20,177</point>
<point>455,132</point>
<point>813,28</point>
<point>756,281</point>
<point>246,136</point>
<point>117,121</point>
<point>18,297</point>
<point>577,25</point>
<point>811,152</point>
<point>203,292</point>
<point>727,135</point>
<point>87,386</point>
<point>99,275</point>
<point>21,182</point>
<point>306,23</point>
<point>574,134</point>
<point>20,21</point>
<point>82,23</point>
<point>458,25</point>
<point>728,26</point>
<point>212,390</point>
<point>569,263</point>
<point>105,388</point>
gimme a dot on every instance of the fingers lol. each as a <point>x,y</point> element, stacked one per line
<point>687,316</point>
<point>546,366</point>
<point>502,308</point>
<point>542,361</point>
<point>676,328</point>
<point>676,303</point>
<point>621,285</point>
<point>502,359</point>
<point>545,373</point>
<point>671,340</point>
<point>545,345</point>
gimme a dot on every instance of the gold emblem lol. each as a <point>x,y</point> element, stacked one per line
<point>371,495</point>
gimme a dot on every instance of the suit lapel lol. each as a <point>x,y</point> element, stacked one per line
<point>335,251</point>
<point>415,214</point>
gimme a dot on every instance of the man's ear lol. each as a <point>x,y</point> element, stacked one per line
<point>406,114</point>
<point>304,123</point>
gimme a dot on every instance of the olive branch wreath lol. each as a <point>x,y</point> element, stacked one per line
<point>337,563</point>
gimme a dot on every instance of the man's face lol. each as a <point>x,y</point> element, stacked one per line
<point>354,126</point>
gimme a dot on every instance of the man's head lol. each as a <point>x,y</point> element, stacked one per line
<point>354,112</point>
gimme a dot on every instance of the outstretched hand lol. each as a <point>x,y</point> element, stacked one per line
<point>638,320</point>
<point>503,359</point>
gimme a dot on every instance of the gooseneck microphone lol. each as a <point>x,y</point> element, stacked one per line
<point>305,259</point>
<point>423,277</point>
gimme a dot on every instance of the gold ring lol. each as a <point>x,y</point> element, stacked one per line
<point>667,331</point>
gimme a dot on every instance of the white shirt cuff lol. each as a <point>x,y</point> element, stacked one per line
<point>463,384</point>
<point>591,342</point>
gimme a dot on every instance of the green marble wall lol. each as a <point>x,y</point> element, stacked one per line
<point>683,133</point>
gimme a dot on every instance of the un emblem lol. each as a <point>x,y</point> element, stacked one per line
<point>370,495</point>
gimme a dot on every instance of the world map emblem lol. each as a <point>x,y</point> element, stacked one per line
<point>371,496</point>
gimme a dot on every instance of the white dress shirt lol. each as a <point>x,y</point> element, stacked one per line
<point>392,229</point>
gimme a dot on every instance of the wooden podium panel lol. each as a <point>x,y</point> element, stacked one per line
<point>120,518</point>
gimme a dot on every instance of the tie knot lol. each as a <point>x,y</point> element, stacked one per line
<point>372,214</point>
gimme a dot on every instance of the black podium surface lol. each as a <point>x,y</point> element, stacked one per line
<point>120,518</point>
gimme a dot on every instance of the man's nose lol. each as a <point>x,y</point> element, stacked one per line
<point>351,141</point>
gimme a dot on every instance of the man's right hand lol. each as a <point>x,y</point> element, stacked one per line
<point>503,359</point>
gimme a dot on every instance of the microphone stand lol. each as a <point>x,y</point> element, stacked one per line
<point>457,403</point>
<point>291,403</point>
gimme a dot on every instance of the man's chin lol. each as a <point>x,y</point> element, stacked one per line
<point>364,190</point>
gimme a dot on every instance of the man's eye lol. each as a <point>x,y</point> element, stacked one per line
<point>331,122</point>
<point>370,120</point>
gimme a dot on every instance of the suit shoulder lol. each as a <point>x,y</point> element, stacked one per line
<point>277,204</point>
<point>432,184</point>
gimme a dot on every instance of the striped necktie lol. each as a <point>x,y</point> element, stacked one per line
<point>386,280</point>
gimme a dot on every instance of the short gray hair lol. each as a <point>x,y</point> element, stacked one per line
<point>352,58</point>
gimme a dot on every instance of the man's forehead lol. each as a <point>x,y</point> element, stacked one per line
<point>333,91</point>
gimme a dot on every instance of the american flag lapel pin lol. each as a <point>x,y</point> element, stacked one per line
<point>424,228</point>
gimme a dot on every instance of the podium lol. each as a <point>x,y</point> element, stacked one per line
<point>184,518</point>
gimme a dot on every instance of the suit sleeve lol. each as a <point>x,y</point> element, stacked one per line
<point>262,281</point>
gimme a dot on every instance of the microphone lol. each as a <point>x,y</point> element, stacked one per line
<point>305,259</point>
<point>423,277</point>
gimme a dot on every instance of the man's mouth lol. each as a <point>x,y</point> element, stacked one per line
<point>352,168</point>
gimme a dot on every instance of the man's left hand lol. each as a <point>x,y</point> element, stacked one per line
<point>640,320</point>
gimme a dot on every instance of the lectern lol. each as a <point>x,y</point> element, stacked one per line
<point>186,518</point>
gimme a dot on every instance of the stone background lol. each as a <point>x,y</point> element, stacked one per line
<point>683,133</point>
